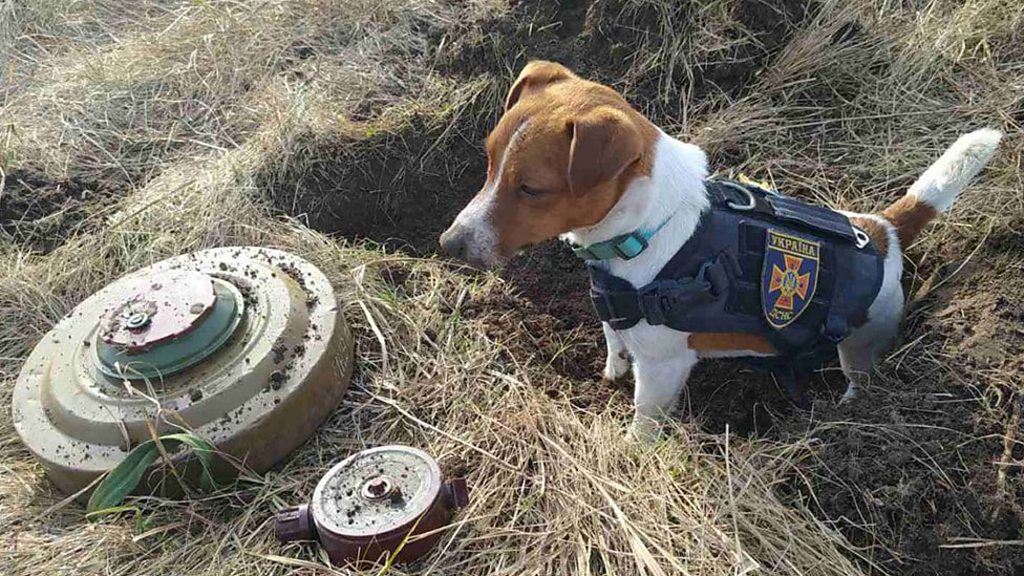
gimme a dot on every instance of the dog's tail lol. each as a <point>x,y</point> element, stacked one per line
<point>937,189</point>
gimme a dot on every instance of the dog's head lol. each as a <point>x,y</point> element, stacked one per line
<point>559,159</point>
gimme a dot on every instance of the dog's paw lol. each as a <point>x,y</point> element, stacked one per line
<point>644,431</point>
<point>850,396</point>
<point>611,377</point>
<point>615,367</point>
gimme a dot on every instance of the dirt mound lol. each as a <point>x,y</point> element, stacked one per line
<point>40,214</point>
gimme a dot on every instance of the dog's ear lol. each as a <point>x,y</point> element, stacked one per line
<point>534,76</point>
<point>605,141</point>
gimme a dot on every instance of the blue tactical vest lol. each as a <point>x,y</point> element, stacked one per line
<point>758,263</point>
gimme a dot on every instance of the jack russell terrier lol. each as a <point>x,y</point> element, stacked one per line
<point>684,267</point>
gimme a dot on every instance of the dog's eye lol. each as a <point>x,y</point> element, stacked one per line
<point>527,191</point>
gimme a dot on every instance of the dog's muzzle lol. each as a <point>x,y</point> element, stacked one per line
<point>469,245</point>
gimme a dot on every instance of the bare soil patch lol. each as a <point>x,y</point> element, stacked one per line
<point>40,213</point>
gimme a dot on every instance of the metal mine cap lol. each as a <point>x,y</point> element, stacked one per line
<point>376,491</point>
<point>383,502</point>
<point>156,308</point>
<point>244,346</point>
<point>163,323</point>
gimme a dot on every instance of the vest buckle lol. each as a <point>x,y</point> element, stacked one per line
<point>746,197</point>
<point>862,237</point>
<point>659,299</point>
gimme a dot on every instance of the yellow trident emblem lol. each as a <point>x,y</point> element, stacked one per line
<point>789,282</point>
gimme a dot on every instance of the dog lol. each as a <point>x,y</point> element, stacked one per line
<point>571,158</point>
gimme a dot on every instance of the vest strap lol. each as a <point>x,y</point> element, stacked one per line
<point>662,299</point>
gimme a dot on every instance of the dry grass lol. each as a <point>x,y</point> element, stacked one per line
<point>193,108</point>
<point>554,490</point>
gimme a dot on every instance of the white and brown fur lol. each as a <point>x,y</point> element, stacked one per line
<point>571,158</point>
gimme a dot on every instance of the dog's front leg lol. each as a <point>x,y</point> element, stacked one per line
<point>659,381</point>
<point>617,363</point>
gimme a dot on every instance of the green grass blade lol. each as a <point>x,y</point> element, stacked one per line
<point>114,510</point>
<point>125,477</point>
<point>204,451</point>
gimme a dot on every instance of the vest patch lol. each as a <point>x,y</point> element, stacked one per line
<point>789,277</point>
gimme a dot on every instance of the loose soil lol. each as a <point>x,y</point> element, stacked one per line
<point>39,213</point>
<point>901,472</point>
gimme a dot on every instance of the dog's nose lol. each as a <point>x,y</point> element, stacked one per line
<point>455,242</point>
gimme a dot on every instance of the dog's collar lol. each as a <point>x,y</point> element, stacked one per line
<point>624,246</point>
<point>736,196</point>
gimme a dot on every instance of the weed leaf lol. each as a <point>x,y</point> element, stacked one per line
<point>125,477</point>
